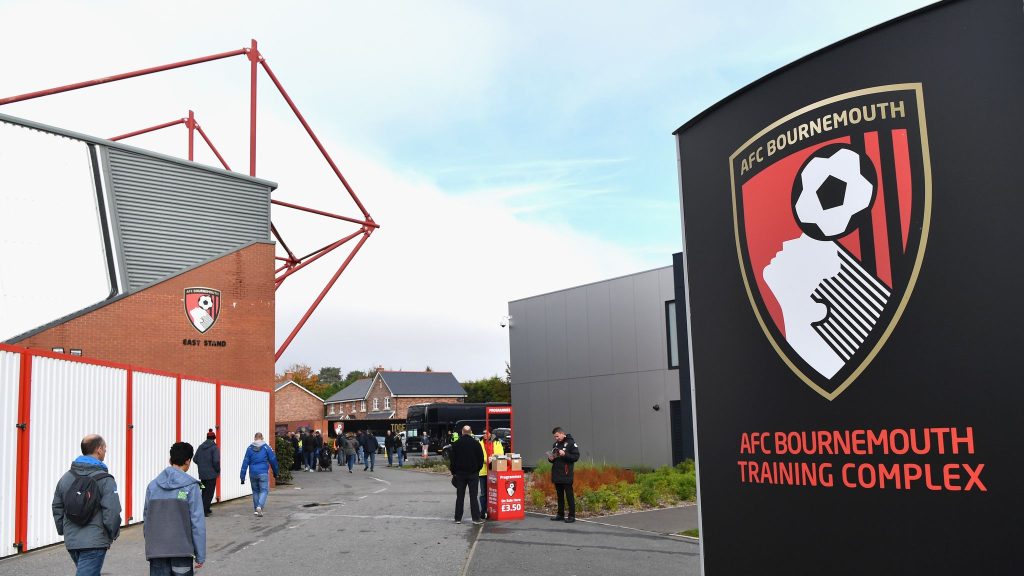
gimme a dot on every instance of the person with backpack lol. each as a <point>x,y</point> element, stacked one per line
<point>86,508</point>
<point>259,461</point>
<point>207,459</point>
<point>175,528</point>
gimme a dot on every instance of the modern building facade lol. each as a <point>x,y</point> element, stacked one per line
<point>603,362</point>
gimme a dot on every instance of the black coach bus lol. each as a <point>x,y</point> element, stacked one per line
<point>439,420</point>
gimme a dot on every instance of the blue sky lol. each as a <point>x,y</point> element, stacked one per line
<point>507,148</point>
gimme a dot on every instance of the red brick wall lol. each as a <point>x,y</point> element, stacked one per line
<point>295,404</point>
<point>147,329</point>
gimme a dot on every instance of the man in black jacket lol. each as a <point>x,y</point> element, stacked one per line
<point>207,459</point>
<point>467,458</point>
<point>564,454</point>
<point>370,446</point>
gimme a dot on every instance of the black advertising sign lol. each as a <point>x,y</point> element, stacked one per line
<point>852,248</point>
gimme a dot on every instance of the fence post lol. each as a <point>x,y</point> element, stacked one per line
<point>129,466</point>
<point>177,409</point>
<point>21,482</point>
<point>218,436</point>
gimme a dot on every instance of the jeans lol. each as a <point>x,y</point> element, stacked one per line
<point>483,494</point>
<point>564,493</point>
<point>401,456</point>
<point>310,460</point>
<point>359,454</point>
<point>461,482</point>
<point>391,457</point>
<point>260,487</point>
<point>171,567</point>
<point>88,561</point>
<point>369,460</point>
<point>351,460</point>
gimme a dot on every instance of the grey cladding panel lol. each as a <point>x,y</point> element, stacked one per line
<point>599,329</point>
<point>623,325</point>
<point>171,217</point>
<point>650,323</point>
<point>576,332</point>
<point>555,336</point>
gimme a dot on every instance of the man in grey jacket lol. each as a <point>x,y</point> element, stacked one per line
<point>88,544</point>
<point>175,528</point>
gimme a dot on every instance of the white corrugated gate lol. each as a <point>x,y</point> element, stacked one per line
<point>249,413</point>
<point>70,400</point>
<point>153,432</point>
<point>10,380</point>
<point>198,413</point>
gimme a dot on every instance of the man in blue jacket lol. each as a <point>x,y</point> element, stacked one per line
<point>175,528</point>
<point>259,460</point>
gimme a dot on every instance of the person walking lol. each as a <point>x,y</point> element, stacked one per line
<point>175,528</point>
<point>207,460</point>
<point>318,447</point>
<point>400,448</point>
<point>296,451</point>
<point>466,459</point>
<point>370,447</point>
<point>389,448</point>
<point>86,508</point>
<point>563,456</point>
<point>491,447</point>
<point>359,447</point>
<point>348,447</point>
<point>308,449</point>
<point>259,460</point>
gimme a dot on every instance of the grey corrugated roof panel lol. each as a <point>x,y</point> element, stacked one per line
<point>354,391</point>
<point>423,383</point>
<point>142,151</point>
<point>589,284</point>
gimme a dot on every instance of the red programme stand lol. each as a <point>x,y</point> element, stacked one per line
<point>505,495</point>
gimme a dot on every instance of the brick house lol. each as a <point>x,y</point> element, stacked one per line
<point>382,402</point>
<point>297,407</point>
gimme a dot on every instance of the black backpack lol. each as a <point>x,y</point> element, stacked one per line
<point>82,498</point>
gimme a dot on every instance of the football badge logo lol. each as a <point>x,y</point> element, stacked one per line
<point>510,489</point>
<point>831,210</point>
<point>202,307</point>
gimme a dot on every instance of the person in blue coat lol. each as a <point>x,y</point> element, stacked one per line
<point>175,527</point>
<point>259,461</point>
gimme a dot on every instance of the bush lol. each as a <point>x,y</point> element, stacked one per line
<point>285,458</point>
<point>536,498</point>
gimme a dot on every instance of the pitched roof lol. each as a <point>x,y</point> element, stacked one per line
<point>300,387</point>
<point>422,383</point>
<point>354,391</point>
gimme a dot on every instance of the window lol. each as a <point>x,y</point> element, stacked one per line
<point>362,405</point>
<point>332,409</point>
<point>673,334</point>
<point>376,405</point>
<point>353,406</point>
<point>387,403</point>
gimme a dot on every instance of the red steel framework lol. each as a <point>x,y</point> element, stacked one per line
<point>289,263</point>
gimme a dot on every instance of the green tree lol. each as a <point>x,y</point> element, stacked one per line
<point>493,389</point>
<point>330,375</point>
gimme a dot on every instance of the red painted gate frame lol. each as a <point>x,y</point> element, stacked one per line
<point>24,426</point>
<point>290,262</point>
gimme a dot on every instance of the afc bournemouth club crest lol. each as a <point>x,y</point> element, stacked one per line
<point>831,209</point>
<point>202,307</point>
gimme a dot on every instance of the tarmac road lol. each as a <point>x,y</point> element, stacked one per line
<point>387,522</point>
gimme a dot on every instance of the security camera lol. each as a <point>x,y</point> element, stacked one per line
<point>505,321</point>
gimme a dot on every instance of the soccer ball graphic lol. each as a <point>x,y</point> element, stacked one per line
<point>205,302</point>
<point>833,192</point>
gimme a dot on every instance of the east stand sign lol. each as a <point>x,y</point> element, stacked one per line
<point>853,242</point>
